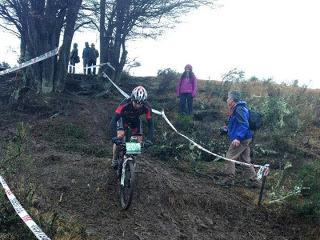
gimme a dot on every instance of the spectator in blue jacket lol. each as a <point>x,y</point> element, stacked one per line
<point>240,136</point>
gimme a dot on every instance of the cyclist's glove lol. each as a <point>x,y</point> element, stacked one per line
<point>148,143</point>
<point>116,140</point>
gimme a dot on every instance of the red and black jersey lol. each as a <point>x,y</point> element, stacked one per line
<point>130,115</point>
<point>127,111</point>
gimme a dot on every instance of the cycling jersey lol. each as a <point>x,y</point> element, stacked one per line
<point>128,116</point>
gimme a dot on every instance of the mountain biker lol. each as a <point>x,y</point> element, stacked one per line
<point>127,114</point>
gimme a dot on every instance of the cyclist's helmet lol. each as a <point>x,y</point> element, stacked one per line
<point>188,66</point>
<point>139,94</point>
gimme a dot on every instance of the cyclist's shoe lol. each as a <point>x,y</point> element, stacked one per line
<point>115,164</point>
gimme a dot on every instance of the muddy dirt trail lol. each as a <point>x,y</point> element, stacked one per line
<point>168,203</point>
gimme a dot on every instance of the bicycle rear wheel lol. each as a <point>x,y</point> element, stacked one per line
<point>127,188</point>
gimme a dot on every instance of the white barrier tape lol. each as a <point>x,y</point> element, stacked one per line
<point>190,140</point>
<point>111,66</point>
<point>263,171</point>
<point>119,89</point>
<point>87,67</point>
<point>32,61</point>
<point>205,150</point>
<point>22,213</point>
<point>124,93</point>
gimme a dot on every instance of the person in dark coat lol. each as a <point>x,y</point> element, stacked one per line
<point>86,55</point>
<point>74,58</point>
<point>93,58</point>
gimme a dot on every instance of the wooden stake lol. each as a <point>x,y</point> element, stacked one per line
<point>261,190</point>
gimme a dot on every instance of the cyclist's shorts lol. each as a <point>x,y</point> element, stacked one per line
<point>135,125</point>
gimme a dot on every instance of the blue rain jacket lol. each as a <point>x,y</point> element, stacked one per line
<point>238,124</point>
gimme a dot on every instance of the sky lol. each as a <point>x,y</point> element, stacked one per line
<point>278,39</point>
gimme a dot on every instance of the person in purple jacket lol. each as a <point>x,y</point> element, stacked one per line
<point>186,89</point>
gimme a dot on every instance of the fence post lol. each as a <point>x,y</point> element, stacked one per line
<point>261,190</point>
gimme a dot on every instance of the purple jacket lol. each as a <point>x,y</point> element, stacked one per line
<point>187,85</point>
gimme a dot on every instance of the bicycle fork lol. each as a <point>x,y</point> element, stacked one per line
<point>124,164</point>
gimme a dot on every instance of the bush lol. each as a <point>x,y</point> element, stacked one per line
<point>167,79</point>
<point>15,157</point>
<point>274,111</point>
<point>310,176</point>
<point>13,227</point>
<point>4,65</point>
<point>184,123</point>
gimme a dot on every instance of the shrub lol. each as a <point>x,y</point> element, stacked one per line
<point>310,175</point>
<point>274,110</point>
<point>167,79</point>
<point>11,223</point>
<point>234,75</point>
<point>184,123</point>
<point>15,157</point>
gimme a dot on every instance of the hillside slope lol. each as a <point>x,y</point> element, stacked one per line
<point>72,177</point>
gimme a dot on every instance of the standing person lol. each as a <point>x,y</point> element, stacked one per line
<point>94,54</point>
<point>240,136</point>
<point>127,115</point>
<point>86,53</point>
<point>74,58</point>
<point>186,89</point>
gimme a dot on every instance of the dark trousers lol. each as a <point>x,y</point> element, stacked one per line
<point>185,98</point>
<point>72,67</point>
<point>93,63</point>
<point>86,69</point>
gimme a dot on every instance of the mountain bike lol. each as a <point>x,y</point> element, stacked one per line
<point>125,154</point>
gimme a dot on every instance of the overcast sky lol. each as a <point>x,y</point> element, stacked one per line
<point>265,38</point>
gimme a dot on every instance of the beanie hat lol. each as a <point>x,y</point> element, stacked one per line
<point>235,95</point>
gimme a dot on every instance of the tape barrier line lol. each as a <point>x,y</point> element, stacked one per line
<point>116,86</point>
<point>263,170</point>
<point>87,67</point>
<point>32,61</point>
<point>22,213</point>
<point>94,66</point>
<point>204,149</point>
<point>124,93</point>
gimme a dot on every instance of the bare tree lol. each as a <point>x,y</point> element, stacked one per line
<point>40,24</point>
<point>121,20</point>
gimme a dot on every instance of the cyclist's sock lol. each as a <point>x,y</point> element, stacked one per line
<point>114,163</point>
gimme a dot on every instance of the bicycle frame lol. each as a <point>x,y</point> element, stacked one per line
<point>126,171</point>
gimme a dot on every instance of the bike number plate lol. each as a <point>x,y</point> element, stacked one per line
<point>133,148</point>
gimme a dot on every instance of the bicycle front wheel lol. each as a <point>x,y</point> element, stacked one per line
<point>127,185</point>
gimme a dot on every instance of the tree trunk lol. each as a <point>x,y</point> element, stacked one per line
<point>63,57</point>
<point>103,35</point>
